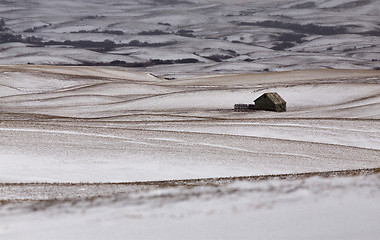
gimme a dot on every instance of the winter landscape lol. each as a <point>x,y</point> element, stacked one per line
<point>117,119</point>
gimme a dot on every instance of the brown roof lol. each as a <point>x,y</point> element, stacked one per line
<point>274,97</point>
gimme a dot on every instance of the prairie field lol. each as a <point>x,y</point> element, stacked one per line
<point>109,152</point>
<point>117,119</point>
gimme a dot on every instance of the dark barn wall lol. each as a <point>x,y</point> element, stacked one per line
<point>270,102</point>
<point>264,103</point>
<point>281,107</point>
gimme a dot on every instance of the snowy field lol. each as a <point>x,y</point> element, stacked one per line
<point>92,124</point>
<point>117,121</point>
<point>174,37</point>
<point>94,153</point>
<point>301,207</point>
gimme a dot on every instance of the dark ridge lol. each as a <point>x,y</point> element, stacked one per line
<point>375,33</point>
<point>349,49</point>
<point>113,32</point>
<point>282,46</point>
<point>164,24</point>
<point>288,40</point>
<point>249,60</point>
<point>93,17</point>
<point>3,27</point>
<point>32,40</point>
<point>186,33</point>
<point>292,37</point>
<point>9,37</point>
<point>304,5</point>
<point>137,43</point>
<point>104,46</point>
<point>186,60</point>
<point>218,57</point>
<point>296,27</point>
<point>151,62</point>
<point>248,12</point>
<point>153,32</point>
<point>31,30</point>
<point>353,4</point>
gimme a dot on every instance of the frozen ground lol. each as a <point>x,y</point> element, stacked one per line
<point>78,145</point>
<point>290,207</point>
<point>75,124</point>
<point>116,119</point>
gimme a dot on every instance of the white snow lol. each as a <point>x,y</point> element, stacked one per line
<point>311,208</point>
<point>130,130</point>
<point>215,25</point>
<point>78,144</point>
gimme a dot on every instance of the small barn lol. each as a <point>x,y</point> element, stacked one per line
<point>270,101</point>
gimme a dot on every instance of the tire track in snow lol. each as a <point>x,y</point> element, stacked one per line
<point>129,140</point>
<point>253,136</point>
<point>225,147</point>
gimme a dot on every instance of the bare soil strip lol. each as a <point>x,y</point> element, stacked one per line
<point>217,181</point>
<point>72,197</point>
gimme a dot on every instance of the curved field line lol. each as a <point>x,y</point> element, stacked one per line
<point>256,137</point>
<point>130,140</point>
<point>218,180</point>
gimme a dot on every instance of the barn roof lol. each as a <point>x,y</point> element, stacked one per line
<point>273,97</point>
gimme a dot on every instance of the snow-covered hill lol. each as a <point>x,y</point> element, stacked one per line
<point>172,37</point>
<point>59,122</point>
<point>117,121</point>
